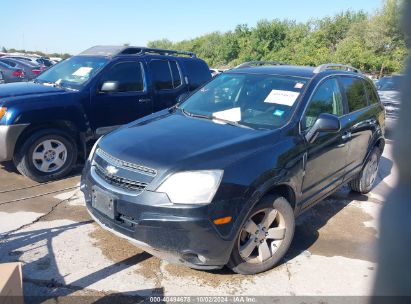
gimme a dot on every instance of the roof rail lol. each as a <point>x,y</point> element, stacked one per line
<point>102,50</point>
<point>335,66</point>
<point>144,50</point>
<point>250,64</point>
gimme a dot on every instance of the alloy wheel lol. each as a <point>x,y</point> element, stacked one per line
<point>261,236</point>
<point>371,170</point>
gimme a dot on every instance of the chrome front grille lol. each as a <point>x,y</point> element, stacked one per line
<point>121,163</point>
<point>120,182</point>
<point>120,174</point>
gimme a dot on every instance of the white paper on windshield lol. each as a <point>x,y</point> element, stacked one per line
<point>83,71</point>
<point>281,97</point>
<point>233,114</point>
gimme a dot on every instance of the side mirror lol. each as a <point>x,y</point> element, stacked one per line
<point>325,123</point>
<point>109,86</point>
<point>182,97</point>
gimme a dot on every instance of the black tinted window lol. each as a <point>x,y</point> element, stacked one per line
<point>8,62</point>
<point>326,99</point>
<point>127,75</point>
<point>160,71</point>
<point>372,95</point>
<point>175,73</point>
<point>198,73</point>
<point>355,90</point>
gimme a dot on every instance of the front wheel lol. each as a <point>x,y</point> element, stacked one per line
<point>46,155</point>
<point>265,237</point>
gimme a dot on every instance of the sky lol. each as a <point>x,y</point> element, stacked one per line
<point>70,26</point>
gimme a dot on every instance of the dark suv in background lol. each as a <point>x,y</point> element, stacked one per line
<point>45,125</point>
<point>219,179</point>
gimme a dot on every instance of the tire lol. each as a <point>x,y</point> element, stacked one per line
<point>46,155</point>
<point>364,181</point>
<point>284,225</point>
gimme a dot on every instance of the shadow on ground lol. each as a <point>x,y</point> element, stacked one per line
<point>52,288</point>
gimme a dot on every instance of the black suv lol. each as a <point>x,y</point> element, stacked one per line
<point>219,179</point>
<point>45,125</point>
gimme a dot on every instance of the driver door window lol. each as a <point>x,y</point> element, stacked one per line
<point>326,99</point>
<point>128,77</point>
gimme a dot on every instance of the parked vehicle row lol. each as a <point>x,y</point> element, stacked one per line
<point>12,74</point>
<point>41,61</point>
<point>30,70</point>
<point>27,67</point>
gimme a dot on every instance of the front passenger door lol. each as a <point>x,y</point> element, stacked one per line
<point>326,156</point>
<point>127,100</point>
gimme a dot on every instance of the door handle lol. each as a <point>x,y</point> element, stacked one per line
<point>346,136</point>
<point>144,100</point>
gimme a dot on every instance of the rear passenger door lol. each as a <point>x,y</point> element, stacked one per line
<point>361,121</point>
<point>167,83</point>
<point>129,101</point>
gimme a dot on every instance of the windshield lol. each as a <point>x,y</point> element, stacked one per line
<point>72,73</point>
<point>256,101</point>
<point>389,83</point>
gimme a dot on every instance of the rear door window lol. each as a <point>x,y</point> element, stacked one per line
<point>372,94</point>
<point>355,91</point>
<point>161,74</point>
<point>127,75</point>
<point>175,72</point>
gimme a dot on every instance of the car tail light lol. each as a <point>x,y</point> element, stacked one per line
<point>18,73</point>
<point>37,71</point>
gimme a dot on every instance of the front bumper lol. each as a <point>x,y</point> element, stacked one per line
<point>181,235</point>
<point>9,135</point>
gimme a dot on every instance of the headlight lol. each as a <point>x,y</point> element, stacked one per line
<point>93,150</point>
<point>192,187</point>
<point>2,112</point>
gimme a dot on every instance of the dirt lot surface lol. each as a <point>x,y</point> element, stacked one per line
<point>64,253</point>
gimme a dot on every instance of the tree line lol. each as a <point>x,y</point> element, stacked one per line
<point>372,42</point>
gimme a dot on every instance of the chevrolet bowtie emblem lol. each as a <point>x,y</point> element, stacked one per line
<point>111,170</point>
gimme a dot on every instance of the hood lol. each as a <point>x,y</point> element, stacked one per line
<point>175,140</point>
<point>20,89</point>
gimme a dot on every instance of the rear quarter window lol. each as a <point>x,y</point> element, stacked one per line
<point>198,73</point>
<point>355,91</point>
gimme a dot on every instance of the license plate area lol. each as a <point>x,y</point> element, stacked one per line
<point>103,202</point>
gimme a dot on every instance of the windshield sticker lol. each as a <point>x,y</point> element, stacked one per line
<point>281,97</point>
<point>299,85</point>
<point>82,72</point>
<point>233,114</point>
<point>278,113</point>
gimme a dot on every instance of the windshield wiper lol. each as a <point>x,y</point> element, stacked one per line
<point>228,122</point>
<point>196,115</point>
<point>55,85</point>
<point>231,123</point>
